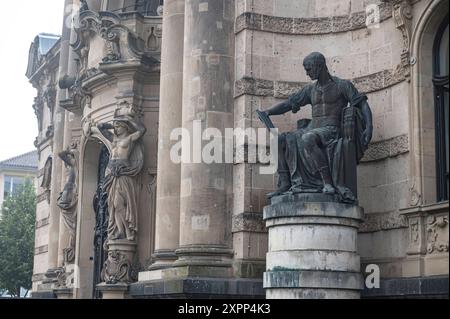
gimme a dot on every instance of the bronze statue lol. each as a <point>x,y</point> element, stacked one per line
<point>322,154</point>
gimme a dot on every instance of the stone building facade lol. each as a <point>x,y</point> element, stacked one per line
<point>200,227</point>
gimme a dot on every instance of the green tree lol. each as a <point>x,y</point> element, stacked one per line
<point>17,227</point>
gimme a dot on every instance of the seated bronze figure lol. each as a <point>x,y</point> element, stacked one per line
<point>322,154</point>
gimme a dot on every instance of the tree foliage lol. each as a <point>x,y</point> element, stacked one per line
<point>17,229</point>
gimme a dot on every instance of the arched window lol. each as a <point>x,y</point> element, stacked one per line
<point>441,93</point>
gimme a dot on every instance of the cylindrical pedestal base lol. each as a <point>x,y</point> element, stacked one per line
<point>312,248</point>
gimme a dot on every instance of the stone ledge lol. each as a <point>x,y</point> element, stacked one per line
<point>422,287</point>
<point>249,222</point>
<point>208,288</point>
<point>305,205</point>
<point>38,277</point>
<point>42,197</point>
<point>383,221</point>
<point>42,223</point>
<point>282,89</point>
<point>43,295</point>
<point>307,26</point>
<point>41,250</point>
<point>387,149</point>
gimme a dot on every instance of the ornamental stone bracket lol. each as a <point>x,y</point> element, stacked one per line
<point>402,13</point>
<point>428,229</point>
<point>78,97</point>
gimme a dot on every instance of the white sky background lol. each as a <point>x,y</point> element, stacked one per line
<point>21,21</point>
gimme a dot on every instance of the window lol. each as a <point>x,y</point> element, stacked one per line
<point>149,7</point>
<point>145,7</point>
<point>441,93</point>
<point>12,185</point>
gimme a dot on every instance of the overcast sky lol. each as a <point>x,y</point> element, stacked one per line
<point>21,21</point>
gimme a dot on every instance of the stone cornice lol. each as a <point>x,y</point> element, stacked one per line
<point>42,223</point>
<point>383,221</point>
<point>42,197</point>
<point>282,89</point>
<point>249,222</point>
<point>307,26</point>
<point>41,250</point>
<point>386,149</point>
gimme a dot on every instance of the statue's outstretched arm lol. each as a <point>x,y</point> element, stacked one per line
<point>279,108</point>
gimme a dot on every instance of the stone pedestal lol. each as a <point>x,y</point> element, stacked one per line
<point>64,293</point>
<point>119,266</point>
<point>116,291</point>
<point>312,248</point>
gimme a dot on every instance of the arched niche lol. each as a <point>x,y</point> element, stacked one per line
<point>84,259</point>
<point>422,112</point>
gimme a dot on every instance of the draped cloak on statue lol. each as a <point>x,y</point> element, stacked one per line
<point>121,186</point>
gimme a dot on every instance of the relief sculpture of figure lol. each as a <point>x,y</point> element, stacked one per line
<point>68,199</point>
<point>127,160</point>
<point>322,154</point>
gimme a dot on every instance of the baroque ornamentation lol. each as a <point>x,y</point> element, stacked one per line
<point>78,96</point>
<point>383,221</point>
<point>249,222</point>
<point>118,268</point>
<point>121,44</point>
<point>308,26</point>
<point>112,38</point>
<point>154,39</point>
<point>436,226</point>
<point>402,13</point>
<point>47,177</point>
<point>414,231</point>
<point>64,279</point>
<point>67,200</point>
<point>38,107</point>
<point>49,98</point>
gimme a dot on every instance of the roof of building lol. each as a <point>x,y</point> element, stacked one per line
<point>28,161</point>
<point>46,42</point>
